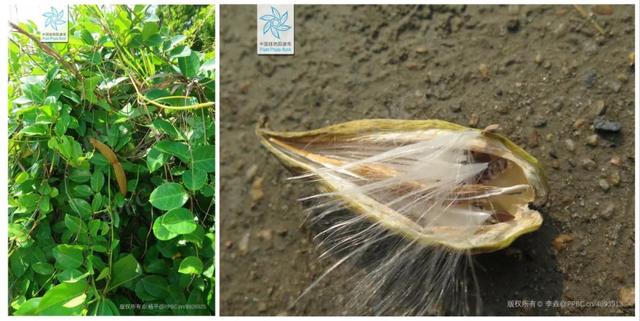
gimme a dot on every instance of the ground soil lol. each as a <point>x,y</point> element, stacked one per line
<point>544,73</point>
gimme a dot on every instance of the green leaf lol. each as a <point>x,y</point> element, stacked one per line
<point>178,221</point>
<point>189,65</point>
<point>35,130</point>
<point>71,276</point>
<point>18,232</point>
<point>194,179</point>
<point>196,237</point>
<point>33,88</point>
<point>88,87</point>
<point>105,307</point>
<point>29,307</point>
<point>82,191</point>
<point>97,180</point>
<point>149,29</point>
<point>64,299</point>
<point>168,196</point>
<point>63,123</point>
<point>155,285</point>
<point>155,159</point>
<point>180,51</point>
<point>124,270</point>
<point>103,274</point>
<point>74,224</point>
<point>68,256</point>
<point>80,175</point>
<point>96,203</point>
<point>161,232</point>
<point>181,150</point>
<point>190,265</point>
<point>204,158</point>
<point>81,207</point>
<point>87,37</point>
<point>165,127</point>
<point>42,268</point>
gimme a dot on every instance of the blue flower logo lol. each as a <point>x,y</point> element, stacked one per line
<point>54,18</point>
<point>275,22</point>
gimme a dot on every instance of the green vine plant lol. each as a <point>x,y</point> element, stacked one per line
<point>112,165</point>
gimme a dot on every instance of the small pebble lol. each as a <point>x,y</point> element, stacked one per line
<point>631,58</point>
<point>548,137</point>
<point>604,185</point>
<point>588,164</point>
<point>606,125</point>
<point>456,107</point>
<point>592,140</point>
<point>571,146</point>
<point>266,235</point>
<point>599,108</point>
<point>614,178</point>
<point>614,85</point>
<point>501,108</point>
<point>243,245</point>
<point>539,121</point>
<point>251,172</point>
<point>622,78</point>
<point>608,210</point>
<point>589,79</point>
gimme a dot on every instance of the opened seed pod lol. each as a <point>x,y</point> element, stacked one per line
<point>431,182</point>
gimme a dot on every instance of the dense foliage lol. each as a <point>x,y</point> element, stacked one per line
<point>124,92</point>
<point>194,22</point>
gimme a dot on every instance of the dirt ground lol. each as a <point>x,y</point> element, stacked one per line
<point>544,73</point>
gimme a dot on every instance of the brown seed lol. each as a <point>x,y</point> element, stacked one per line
<point>421,50</point>
<point>579,122</point>
<point>561,242</point>
<point>632,58</point>
<point>474,120</point>
<point>538,59</point>
<point>256,191</point>
<point>615,160</point>
<point>502,216</point>
<point>484,70</point>
<point>627,296</point>
<point>602,9</point>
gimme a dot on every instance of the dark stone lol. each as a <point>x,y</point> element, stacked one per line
<point>513,25</point>
<point>601,124</point>
<point>590,78</point>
